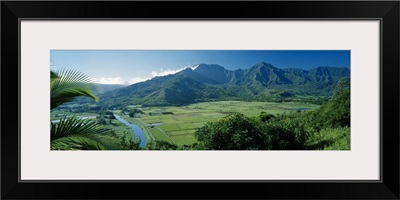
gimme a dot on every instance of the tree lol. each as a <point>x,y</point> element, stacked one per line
<point>239,132</point>
<point>233,132</point>
<point>336,112</point>
<point>264,116</point>
<point>72,133</point>
<point>161,145</point>
<point>135,111</point>
<point>342,86</point>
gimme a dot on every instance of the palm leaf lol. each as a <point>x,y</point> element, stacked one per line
<point>66,85</point>
<point>53,76</point>
<point>75,126</point>
<point>77,142</point>
<point>70,94</point>
<point>75,133</point>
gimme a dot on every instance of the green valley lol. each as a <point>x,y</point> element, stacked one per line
<point>209,108</point>
<point>180,122</point>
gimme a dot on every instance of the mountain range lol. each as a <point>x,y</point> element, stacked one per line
<point>214,82</point>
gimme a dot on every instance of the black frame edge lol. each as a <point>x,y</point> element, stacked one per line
<point>388,189</point>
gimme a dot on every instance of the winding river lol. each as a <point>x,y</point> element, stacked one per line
<point>137,131</point>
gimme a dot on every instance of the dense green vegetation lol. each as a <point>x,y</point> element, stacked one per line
<point>209,108</point>
<point>185,120</point>
<point>290,125</point>
<point>70,132</point>
<point>327,127</point>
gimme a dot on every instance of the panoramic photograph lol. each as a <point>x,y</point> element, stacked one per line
<point>200,100</point>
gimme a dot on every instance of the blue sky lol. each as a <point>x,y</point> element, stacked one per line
<point>131,66</point>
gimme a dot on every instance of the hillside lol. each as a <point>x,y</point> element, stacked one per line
<point>214,82</point>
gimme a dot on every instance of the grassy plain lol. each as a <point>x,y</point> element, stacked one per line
<point>178,123</point>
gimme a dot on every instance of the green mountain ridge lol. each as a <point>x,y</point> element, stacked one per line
<point>214,82</point>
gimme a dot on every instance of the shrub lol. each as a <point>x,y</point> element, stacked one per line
<point>238,132</point>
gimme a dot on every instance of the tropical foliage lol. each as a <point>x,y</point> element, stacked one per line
<point>67,85</point>
<point>72,132</point>
<point>327,127</point>
<point>239,132</point>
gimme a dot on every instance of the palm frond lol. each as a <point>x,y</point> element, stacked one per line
<point>77,142</point>
<point>53,76</point>
<point>66,85</point>
<point>75,126</point>
<point>70,94</point>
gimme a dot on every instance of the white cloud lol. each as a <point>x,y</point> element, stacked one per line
<point>113,80</point>
<point>163,72</point>
<point>137,80</point>
<point>118,80</point>
<point>194,67</point>
<point>154,73</point>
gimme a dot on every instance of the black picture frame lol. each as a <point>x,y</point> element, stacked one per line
<point>13,11</point>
